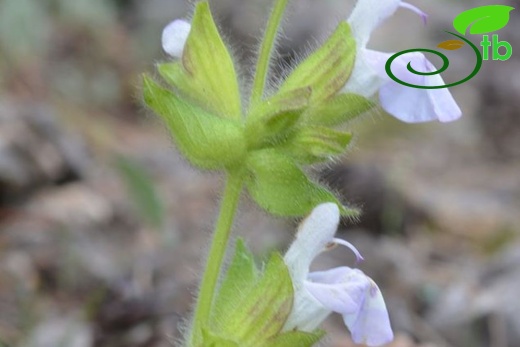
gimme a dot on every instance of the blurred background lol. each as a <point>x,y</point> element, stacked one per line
<point>103,227</point>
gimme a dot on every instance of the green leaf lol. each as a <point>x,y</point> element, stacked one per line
<point>339,109</point>
<point>270,121</point>
<point>483,19</point>
<point>312,144</point>
<point>262,311</point>
<point>206,72</point>
<point>240,278</point>
<point>296,338</point>
<point>293,100</point>
<point>280,186</point>
<point>142,191</point>
<point>206,140</point>
<point>326,70</point>
<point>211,340</point>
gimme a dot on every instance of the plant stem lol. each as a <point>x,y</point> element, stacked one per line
<point>216,254</point>
<point>266,50</point>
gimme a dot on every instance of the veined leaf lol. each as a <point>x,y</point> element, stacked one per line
<point>206,72</point>
<point>280,186</point>
<point>206,140</point>
<point>241,277</point>
<point>313,144</point>
<point>260,312</point>
<point>293,100</point>
<point>337,110</point>
<point>273,117</point>
<point>211,340</point>
<point>296,338</point>
<point>326,70</point>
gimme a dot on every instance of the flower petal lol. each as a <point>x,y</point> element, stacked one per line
<point>341,289</point>
<point>313,236</point>
<point>371,325</point>
<point>364,80</point>
<point>414,105</point>
<point>367,15</point>
<point>307,313</point>
<point>174,37</point>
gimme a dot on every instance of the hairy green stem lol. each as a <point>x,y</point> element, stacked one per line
<point>266,50</point>
<point>216,255</point>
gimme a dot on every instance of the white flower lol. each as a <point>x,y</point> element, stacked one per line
<point>174,37</point>
<point>346,291</point>
<point>369,76</point>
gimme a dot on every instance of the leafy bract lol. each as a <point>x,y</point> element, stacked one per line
<point>326,70</point>
<point>296,338</point>
<point>337,110</point>
<point>206,72</point>
<point>483,19</point>
<point>313,144</point>
<point>211,340</point>
<point>273,117</point>
<point>293,100</point>
<point>251,311</point>
<point>241,277</point>
<point>280,186</point>
<point>206,140</point>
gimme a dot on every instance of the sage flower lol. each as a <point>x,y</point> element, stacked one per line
<point>369,77</point>
<point>174,37</point>
<point>343,290</point>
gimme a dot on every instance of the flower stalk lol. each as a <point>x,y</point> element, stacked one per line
<point>266,51</point>
<point>217,251</point>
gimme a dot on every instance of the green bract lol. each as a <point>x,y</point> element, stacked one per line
<point>337,110</point>
<point>206,72</point>
<point>252,306</point>
<point>205,139</point>
<point>316,143</point>
<point>280,186</point>
<point>327,70</point>
<point>270,144</point>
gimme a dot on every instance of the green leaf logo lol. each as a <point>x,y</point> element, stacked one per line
<point>483,19</point>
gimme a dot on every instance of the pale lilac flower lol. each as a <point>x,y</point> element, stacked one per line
<point>344,290</point>
<point>370,78</point>
<point>174,37</point>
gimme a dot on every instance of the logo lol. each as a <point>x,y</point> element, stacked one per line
<point>481,20</point>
